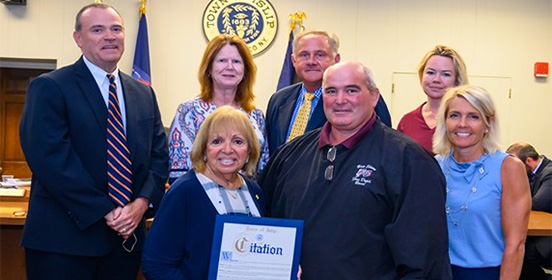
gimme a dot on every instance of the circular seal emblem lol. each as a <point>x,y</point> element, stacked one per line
<point>255,21</point>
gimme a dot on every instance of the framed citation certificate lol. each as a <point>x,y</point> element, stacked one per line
<point>255,248</point>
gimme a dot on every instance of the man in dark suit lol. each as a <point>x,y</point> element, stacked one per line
<point>313,52</point>
<point>538,250</point>
<point>74,228</point>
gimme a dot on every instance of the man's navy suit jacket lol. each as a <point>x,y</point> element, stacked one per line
<point>541,190</point>
<point>63,136</point>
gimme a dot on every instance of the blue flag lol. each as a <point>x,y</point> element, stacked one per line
<point>288,71</point>
<point>141,64</point>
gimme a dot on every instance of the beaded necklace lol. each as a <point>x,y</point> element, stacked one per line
<point>456,215</point>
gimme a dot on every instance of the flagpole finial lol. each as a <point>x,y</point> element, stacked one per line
<point>142,8</point>
<point>297,20</point>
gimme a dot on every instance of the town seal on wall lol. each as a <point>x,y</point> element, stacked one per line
<point>255,21</point>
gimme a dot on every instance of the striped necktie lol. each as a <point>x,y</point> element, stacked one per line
<point>302,118</point>
<point>119,171</point>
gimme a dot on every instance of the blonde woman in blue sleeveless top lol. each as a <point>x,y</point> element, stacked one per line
<point>488,198</point>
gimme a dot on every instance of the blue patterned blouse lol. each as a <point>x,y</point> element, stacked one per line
<point>185,125</point>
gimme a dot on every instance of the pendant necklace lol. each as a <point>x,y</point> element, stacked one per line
<point>233,192</point>
<point>456,215</point>
<point>228,194</point>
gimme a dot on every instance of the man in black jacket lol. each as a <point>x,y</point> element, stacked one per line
<point>372,199</point>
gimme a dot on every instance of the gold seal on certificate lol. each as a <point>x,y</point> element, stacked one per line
<point>253,248</point>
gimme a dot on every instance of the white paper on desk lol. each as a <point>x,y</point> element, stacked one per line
<point>10,184</point>
<point>12,192</point>
<point>15,183</point>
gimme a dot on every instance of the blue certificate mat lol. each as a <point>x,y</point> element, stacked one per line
<point>248,248</point>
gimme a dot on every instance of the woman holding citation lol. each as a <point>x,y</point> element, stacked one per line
<point>180,239</point>
<point>488,200</point>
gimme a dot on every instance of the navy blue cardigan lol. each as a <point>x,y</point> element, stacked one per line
<point>179,242</point>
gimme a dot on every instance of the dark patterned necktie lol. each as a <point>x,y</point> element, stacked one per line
<point>119,172</point>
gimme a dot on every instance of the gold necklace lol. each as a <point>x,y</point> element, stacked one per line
<point>232,192</point>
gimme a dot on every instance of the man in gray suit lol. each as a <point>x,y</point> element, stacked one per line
<point>77,227</point>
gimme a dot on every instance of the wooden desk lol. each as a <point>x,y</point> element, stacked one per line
<point>540,224</point>
<point>12,256</point>
<point>13,211</point>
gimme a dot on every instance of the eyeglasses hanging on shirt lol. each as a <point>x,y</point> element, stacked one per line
<point>330,156</point>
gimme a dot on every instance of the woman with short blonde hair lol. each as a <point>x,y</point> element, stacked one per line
<point>488,198</point>
<point>179,242</point>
